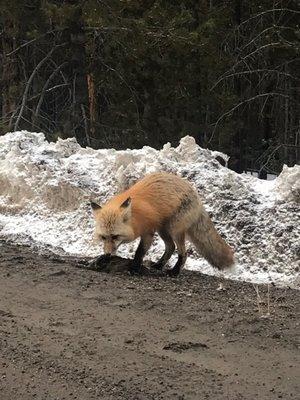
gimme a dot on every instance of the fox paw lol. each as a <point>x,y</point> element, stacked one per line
<point>134,271</point>
<point>138,270</point>
<point>173,272</point>
<point>158,266</point>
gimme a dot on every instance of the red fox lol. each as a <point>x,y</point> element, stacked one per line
<point>167,204</point>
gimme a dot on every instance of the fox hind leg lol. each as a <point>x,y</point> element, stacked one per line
<point>169,250</point>
<point>180,244</point>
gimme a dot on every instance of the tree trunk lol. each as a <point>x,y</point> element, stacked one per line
<point>10,89</point>
<point>76,38</point>
<point>92,104</point>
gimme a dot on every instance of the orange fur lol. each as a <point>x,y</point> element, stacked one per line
<point>153,201</point>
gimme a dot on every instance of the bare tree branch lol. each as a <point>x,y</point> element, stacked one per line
<point>57,86</point>
<point>267,12</point>
<point>275,71</point>
<point>37,110</point>
<point>273,27</point>
<point>27,87</point>
<point>240,104</point>
<point>273,44</point>
<point>48,90</point>
<point>32,41</point>
<point>127,85</point>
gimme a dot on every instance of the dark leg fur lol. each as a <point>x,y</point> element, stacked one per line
<point>170,247</point>
<point>137,263</point>
<point>138,258</point>
<point>175,271</point>
<point>180,243</point>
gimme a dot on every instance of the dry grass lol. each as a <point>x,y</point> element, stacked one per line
<point>264,312</point>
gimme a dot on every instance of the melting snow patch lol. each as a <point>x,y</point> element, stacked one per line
<point>45,190</point>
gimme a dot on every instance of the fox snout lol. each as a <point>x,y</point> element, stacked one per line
<point>110,247</point>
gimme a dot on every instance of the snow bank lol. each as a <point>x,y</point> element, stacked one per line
<point>45,190</point>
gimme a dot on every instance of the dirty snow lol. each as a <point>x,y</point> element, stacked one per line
<point>45,190</point>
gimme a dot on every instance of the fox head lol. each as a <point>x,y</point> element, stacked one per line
<point>113,225</point>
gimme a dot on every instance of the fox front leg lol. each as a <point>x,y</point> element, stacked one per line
<point>143,247</point>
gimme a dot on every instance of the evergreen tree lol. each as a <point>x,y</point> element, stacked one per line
<point>131,73</point>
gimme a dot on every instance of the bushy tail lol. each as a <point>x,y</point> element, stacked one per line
<point>209,243</point>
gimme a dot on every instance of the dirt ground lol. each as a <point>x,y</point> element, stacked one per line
<point>72,333</point>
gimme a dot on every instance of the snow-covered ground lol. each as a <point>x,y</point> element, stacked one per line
<point>45,190</point>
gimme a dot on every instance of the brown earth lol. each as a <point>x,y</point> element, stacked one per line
<point>72,333</point>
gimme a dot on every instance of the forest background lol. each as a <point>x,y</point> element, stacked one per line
<point>130,73</point>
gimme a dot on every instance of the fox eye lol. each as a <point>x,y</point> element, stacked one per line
<point>103,237</point>
<point>115,237</point>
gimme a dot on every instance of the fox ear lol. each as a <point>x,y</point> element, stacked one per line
<point>126,206</point>
<point>126,203</point>
<point>95,206</point>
